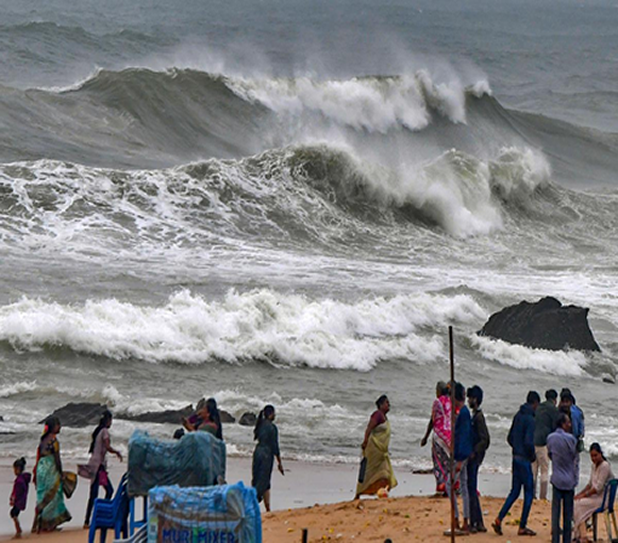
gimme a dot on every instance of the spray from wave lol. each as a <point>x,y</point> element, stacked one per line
<point>288,330</point>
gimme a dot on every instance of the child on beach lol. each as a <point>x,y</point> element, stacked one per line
<point>19,496</point>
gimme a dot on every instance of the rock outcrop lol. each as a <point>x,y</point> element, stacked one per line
<point>78,415</point>
<point>546,324</point>
<point>248,419</point>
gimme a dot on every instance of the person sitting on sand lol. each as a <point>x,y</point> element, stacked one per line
<point>480,444</point>
<point>378,473</point>
<point>440,423</point>
<point>267,449</point>
<point>562,449</point>
<point>50,510</point>
<point>591,497</point>
<point>521,440</point>
<point>461,453</point>
<point>96,468</point>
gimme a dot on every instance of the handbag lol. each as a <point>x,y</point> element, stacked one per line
<point>69,483</point>
<point>362,470</point>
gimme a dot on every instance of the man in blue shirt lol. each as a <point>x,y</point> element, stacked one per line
<point>521,440</point>
<point>562,449</point>
<point>463,450</point>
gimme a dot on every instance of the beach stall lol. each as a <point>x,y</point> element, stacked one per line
<point>220,514</point>
<point>196,460</point>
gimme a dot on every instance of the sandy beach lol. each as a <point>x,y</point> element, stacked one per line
<point>319,498</point>
<point>400,519</point>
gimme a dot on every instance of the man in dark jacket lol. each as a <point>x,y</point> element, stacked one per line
<point>461,453</point>
<point>545,419</point>
<point>521,440</point>
<point>480,444</point>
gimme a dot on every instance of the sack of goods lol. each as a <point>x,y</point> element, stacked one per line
<point>198,459</point>
<point>218,514</point>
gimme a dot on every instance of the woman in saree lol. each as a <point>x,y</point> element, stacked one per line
<point>266,450</point>
<point>378,473</point>
<point>50,510</point>
<point>440,423</point>
<point>591,497</point>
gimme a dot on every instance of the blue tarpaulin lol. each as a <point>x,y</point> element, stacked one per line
<point>198,459</point>
<point>217,514</point>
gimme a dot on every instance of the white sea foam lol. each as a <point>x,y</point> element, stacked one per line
<point>14,389</point>
<point>571,363</point>
<point>260,324</point>
<point>375,104</point>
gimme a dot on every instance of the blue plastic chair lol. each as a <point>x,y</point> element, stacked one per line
<point>134,523</point>
<point>607,508</point>
<point>109,514</point>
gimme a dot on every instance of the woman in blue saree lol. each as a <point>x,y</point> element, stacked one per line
<point>50,509</point>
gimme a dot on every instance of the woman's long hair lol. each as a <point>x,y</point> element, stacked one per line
<point>597,447</point>
<point>106,417</point>
<point>263,416</point>
<point>50,424</point>
<point>213,413</point>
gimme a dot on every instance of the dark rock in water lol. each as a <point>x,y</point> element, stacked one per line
<point>78,415</point>
<point>248,419</point>
<point>170,416</point>
<point>546,324</point>
<point>609,379</point>
<point>1,418</point>
<point>226,417</point>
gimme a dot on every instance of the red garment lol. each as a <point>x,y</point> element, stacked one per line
<point>19,496</point>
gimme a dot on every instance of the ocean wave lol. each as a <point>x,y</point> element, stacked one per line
<point>263,325</point>
<point>316,193</point>
<point>564,363</point>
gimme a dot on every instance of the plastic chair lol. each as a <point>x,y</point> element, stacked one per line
<point>110,514</point>
<point>141,536</point>
<point>607,508</point>
<point>137,523</point>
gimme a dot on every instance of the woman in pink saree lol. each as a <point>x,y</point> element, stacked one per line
<point>440,423</point>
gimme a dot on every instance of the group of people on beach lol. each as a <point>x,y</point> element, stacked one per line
<point>53,484</point>
<point>544,432</point>
<point>541,434</point>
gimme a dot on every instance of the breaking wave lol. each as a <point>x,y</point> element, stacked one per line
<point>263,325</point>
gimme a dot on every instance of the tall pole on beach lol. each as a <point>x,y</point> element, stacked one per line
<point>452,459</point>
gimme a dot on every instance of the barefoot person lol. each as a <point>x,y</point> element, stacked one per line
<point>462,452</point>
<point>521,440</point>
<point>50,510</point>
<point>562,450</point>
<point>480,444</point>
<point>266,450</point>
<point>19,495</point>
<point>96,468</point>
<point>591,497</point>
<point>440,423</point>
<point>378,473</point>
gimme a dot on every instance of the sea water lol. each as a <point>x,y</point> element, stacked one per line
<point>290,202</point>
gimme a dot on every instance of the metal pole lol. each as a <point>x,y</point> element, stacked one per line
<point>305,535</point>
<point>452,459</point>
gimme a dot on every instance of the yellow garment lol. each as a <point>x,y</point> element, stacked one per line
<point>378,461</point>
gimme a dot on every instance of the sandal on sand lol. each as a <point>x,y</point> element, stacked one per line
<point>526,531</point>
<point>497,527</point>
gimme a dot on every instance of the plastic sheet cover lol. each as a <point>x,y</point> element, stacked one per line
<point>198,459</point>
<point>221,514</point>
